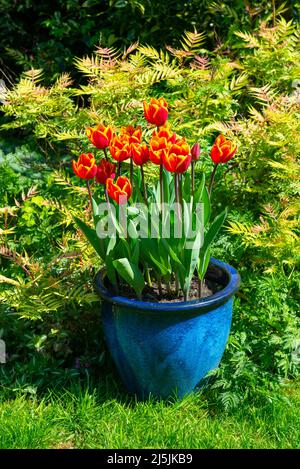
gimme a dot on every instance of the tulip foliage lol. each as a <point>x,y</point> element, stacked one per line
<point>151,234</point>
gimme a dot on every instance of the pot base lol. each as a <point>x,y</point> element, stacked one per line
<point>167,349</point>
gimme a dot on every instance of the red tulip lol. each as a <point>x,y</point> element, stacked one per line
<point>222,150</point>
<point>100,136</point>
<point>178,159</point>
<point>195,151</point>
<point>105,170</point>
<point>134,133</point>
<point>85,167</point>
<point>156,112</point>
<point>158,148</point>
<point>120,191</point>
<point>140,154</point>
<point>165,132</point>
<point>120,148</point>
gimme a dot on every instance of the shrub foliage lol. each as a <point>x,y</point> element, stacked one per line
<point>249,94</point>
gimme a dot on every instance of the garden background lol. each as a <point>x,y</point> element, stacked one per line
<point>224,66</point>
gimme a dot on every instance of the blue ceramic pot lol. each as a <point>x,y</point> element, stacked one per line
<point>167,348</point>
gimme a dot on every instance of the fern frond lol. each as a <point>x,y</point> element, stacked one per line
<point>108,53</point>
<point>63,81</point>
<point>61,179</point>
<point>250,40</point>
<point>35,75</point>
<point>222,127</point>
<point>129,50</point>
<point>264,95</point>
<point>179,53</point>
<point>256,115</point>
<point>238,82</point>
<point>159,73</point>
<point>149,51</point>
<point>9,281</point>
<point>30,193</point>
<point>137,60</point>
<point>70,135</point>
<point>284,28</point>
<point>6,231</point>
<point>192,41</point>
<point>200,62</point>
<point>89,66</point>
<point>239,228</point>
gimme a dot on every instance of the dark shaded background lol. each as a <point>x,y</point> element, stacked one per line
<point>48,34</point>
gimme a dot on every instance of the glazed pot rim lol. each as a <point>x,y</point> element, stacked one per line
<point>204,304</point>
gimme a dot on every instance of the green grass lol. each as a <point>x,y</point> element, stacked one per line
<point>101,418</point>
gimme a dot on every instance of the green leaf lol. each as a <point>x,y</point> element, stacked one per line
<point>208,239</point>
<point>131,274</point>
<point>214,229</point>
<point>202,196</point>
<point>162,267</point>
<point>92,237</point>
<point>203,263</point>
<point>136,253</point>
<point>187,186</point>
<point>110,269</point>
<point>193,261</point>
<point>166,182</point>
<point>94,207</point>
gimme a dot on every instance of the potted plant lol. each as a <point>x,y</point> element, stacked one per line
<point>166,304</point>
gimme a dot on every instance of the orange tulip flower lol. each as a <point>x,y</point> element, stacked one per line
<point>165,132</point>
<point>222,150</point>
<point>85,167</point>
<point>140,154</point>
<point>179,157</point>
<point>120,191</point>
<point>159,147</point>
<point>134,133</point>
<point>156,112</point>
<point>120,148</point>
<point>105,170</point>
<point>100,136</point>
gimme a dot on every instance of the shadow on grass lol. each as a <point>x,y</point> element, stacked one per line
<point>44,378</point>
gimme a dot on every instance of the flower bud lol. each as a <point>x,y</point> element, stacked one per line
<point>195,151</point>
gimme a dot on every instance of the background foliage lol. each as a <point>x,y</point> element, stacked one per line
<point>49,34</point>
<point>243,83</point>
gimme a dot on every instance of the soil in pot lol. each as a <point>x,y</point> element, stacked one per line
<point>210,286</point>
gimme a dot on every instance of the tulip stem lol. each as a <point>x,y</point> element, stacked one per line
<point>212,178</point>
<point>148,277</point>
<point>180,190</point>
<point>90,193</point>
<point>168,286</point>
<point>107,198</point>
<point>105,153</point>
<point>200,287</point>
<point>159,286</point>
<point>119,168</point>
<point>193,177</point>
<point>176,284</point>
<point>177,195</point>
<point>131,171</point>
<point>144,185</point>
<point>161,180</point>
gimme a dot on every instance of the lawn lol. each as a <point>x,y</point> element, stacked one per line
<point>103,417</point>
<point>232,79</point>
